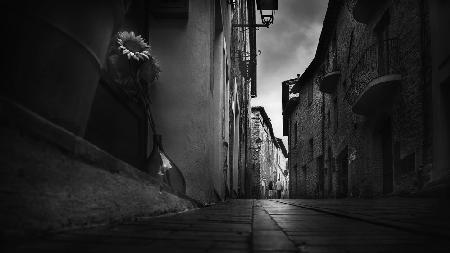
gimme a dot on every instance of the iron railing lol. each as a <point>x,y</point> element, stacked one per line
<point>379,59</point>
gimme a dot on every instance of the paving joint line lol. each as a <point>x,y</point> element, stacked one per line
<point>252,225</point>
<point>284,232</point>
<point>374,222</point>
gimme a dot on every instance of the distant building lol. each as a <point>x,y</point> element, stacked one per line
<point>268,156</point>
<point>362,124</point>
<point>282,170</point>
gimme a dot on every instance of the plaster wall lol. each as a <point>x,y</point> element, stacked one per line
<point>190,99</point>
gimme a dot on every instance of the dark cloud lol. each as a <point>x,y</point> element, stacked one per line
<point>292,30</point>
<point>287,47</point>
<point>302,10</point>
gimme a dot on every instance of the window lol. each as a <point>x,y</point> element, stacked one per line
<point>295,191</point>
<point>328,119</point>
<point>335,58</point>
<point>305,177</point>
<point>407,164</point>
<point>173,9</point>
<point>310,93</point>
<point>295,134</point>
<point>382,27</point>
<point>336,113</point>
<point>311,148</point>
<point>382,34</point>
<point>350,46</point>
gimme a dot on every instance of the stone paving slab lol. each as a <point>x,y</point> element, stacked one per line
<point>245,226</point>
<point>414,214</point>
<point>272,240</point>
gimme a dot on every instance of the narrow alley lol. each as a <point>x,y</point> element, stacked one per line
<point>225,126</point>
<point>275,225</point>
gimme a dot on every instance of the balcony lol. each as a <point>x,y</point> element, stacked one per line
<point>375,78</point>
<point>329,81</point>
<point>365,10</point>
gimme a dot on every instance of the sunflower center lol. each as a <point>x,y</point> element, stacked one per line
<point>133,46</point>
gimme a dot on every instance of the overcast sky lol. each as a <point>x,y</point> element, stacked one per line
<point>287,48</point>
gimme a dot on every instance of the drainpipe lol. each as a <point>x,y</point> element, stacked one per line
<point>323,145</point>
<point>252,42</point>
<point>426,86</point>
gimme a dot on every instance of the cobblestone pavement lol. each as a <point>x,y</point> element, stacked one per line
<point>257,226</point>
<point>412,214</point>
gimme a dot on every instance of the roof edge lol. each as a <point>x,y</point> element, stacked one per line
<point>328,27</point>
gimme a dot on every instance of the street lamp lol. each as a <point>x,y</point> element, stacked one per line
<point>267,9</point>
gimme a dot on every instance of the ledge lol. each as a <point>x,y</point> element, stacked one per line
<point>377,95</point>
<point>53,180</point>
<point>329,82</point>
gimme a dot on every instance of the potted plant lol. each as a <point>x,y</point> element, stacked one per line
<point>133,69</point>
<point>55,63</point>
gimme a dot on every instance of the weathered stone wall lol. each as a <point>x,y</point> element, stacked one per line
<point>362,133</point>
<point>360,137</point>
<point>307,116</point>
<point>440,103</point>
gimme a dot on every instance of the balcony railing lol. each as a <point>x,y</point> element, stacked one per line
<point>365,10</point>
<point>331,76</point>
<point>378,60</point>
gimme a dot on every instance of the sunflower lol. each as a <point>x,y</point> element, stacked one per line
<point>133,46</point>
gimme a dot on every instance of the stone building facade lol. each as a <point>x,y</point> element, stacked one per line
<point>361,125</point>
<point>440,92</point>
<point>268,156</point>
<point>76,149</point>
<point>282,170</point>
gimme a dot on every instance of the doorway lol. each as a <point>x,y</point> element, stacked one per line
<point>330,171</point>
<point>388,158</point>
<point>305,182</point>
<point>295,190</point>
<point>342,160</point>
<point>321,182</point>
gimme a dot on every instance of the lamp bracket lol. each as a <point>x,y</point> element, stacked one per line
<point>251,25</point>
